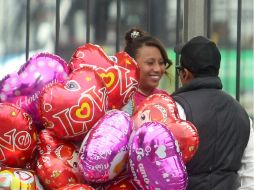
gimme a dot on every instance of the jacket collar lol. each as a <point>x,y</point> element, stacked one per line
<point>201,83</point>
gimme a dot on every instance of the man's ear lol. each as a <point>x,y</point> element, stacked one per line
<point>187,75</point>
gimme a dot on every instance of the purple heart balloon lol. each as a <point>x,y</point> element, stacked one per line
<point>155,160</point>
<point>104,151</point>
<point>24,87</point>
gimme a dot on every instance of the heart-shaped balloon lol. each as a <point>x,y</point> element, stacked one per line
<point>104,151</point>
<point>127,85</point>
<point>48,141</point>
<point>76,187</point>
<point>17,178</point>
<point>162,108</point>
<point>155,160</point>
<point>70,109</point>
<point>120,73</point>
<point>157,107</point>
<point>110,77</point>
<point>89,55</point>
<point>187,136</point>
<point>17,136</point>
<point>24,87</point>
<point>58,168</point>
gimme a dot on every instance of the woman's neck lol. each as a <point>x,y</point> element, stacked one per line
<point>145,92</point>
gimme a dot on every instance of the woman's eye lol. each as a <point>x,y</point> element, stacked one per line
<point>149,63</point>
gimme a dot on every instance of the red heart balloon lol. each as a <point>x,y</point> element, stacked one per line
<point>157,107</point>
<point>89,55</point>
<point>120,73</point>
<point>110,77</point>
<point>70,109</point>
<point>58,168</point>
<point>49,142</point>
<point>76,187</point>
<point>17,136</point>
<point>162,108</point>
<point>187,136</point>
<point>128,74</point>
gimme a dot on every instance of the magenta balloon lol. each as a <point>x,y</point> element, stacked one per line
<point>155,160</point>
<point>104,151</point>
<point>24,87</point>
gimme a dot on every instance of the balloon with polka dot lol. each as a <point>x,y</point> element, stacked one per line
<point>23,88</point>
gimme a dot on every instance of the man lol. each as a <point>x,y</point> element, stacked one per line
<point>226,149</point>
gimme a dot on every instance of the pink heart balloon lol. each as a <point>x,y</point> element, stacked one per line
<point>104,151</point>
<point>24,87</point>
<point>155,158</point>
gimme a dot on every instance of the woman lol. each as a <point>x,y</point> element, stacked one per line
<point>152,59</point>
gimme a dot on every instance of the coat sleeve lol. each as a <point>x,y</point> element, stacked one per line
<point>246,172</point>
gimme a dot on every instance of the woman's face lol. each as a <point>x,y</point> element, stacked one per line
<point>152,67</point>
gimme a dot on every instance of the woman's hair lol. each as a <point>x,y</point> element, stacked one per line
<point>136,38</point>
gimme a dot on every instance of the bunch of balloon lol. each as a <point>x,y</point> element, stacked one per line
<point>162,108</point>
<point>23,88</point>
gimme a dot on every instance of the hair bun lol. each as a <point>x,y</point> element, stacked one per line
<point>133,33</point>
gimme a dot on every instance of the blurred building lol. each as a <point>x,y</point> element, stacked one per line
<point>159,19</point>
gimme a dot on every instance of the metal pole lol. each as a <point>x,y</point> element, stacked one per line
<point>57,26</point>
<point>238,50</point>
<point>27,27</point>
<point>87,21</point>
<point>194,19</point>
<point>148,15</point>
<point>178,18</point>
<point>208,19</point>
<point>118,20</point>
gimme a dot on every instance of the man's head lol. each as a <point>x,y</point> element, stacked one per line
<point>200,56</point>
